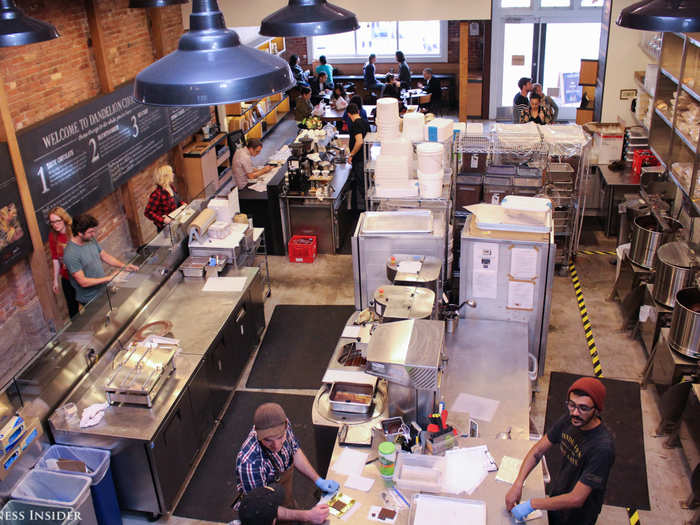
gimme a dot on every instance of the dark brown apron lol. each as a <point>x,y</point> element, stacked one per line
<point>286,480</point>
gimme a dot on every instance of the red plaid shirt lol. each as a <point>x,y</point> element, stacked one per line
<point>160,203</point>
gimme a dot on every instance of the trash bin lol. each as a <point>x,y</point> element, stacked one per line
<point>104,495</point>
<point>56,489</point>
<point>25,513</point>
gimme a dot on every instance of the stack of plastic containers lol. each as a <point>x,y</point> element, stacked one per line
<point>414,126</point>
<point>387,118</point>
<point>430,169</point>
<point>391,177</point>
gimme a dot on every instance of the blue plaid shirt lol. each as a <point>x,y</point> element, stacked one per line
<point>257,466</point>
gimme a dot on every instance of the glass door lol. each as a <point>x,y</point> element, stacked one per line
<point>517,60</point>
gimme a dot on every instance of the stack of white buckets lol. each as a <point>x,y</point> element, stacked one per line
<point>430,169</point>
<point>387,118</point>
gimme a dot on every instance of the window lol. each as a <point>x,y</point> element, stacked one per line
<point>555,3</point>
<point>423,40</point>
<point>515,3</point>
<point>591,3</point>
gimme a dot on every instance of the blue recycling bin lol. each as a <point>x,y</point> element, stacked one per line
<point>17,512</point>
<point>104,495</point>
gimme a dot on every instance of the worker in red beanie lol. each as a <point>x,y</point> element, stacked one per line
<point>588,450</point>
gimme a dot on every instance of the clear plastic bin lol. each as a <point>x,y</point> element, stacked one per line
<point>25,513</point>
<point>419,473</point>
<point>56,489</point>
<point>104,495</point>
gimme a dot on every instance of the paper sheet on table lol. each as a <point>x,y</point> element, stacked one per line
<point>523,263</point>
<point>477,407</point>
<point>349,376</point>
<point>359,483</point>
<point>521,295</point>
<point>351,332</point>
<point>351,462</point>
<point>465,469</point>
<point>508,470</point>
<point>224,284</point>
<point>410,266</point>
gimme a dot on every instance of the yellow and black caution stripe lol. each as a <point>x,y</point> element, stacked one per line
<point>587,328</point>
<point>633,515</point>
<point>596,252</point>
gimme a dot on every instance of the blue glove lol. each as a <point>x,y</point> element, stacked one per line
<point>521,510</point>
<point>328,486</point>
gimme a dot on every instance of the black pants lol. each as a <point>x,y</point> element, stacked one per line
<point>69,294</point>
<point>357,183</point>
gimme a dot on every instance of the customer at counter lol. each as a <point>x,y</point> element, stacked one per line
<point>83,258</point>
<point>548,102</point>
<point>536,112</point>
<point>404,71</point>
<point>60,222</point>
<point>242,163</point>
<point>303,107</point>
<point>269,455</point>
<point>370,71</point>
<point>358,129</point>
<point>164,199</point>
<point>588,451</point>
<point>319,87</point>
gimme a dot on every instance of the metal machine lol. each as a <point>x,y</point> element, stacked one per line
<point>409,355</point>
<point>298,168</point>
<point>510,275</point>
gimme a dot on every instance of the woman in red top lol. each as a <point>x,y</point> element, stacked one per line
<point>164,199</point>
<point>60,234</point>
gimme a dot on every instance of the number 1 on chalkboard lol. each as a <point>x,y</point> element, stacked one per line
<point>43,180</point>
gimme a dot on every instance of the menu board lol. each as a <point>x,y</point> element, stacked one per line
<point>14,236</point>
<point>80,156</point>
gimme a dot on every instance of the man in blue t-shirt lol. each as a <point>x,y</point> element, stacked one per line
<point>588,450</point>
<point>83,258</point>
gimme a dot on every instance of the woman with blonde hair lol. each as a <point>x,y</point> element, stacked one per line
<point>164,198</point>
<point>61,222</point>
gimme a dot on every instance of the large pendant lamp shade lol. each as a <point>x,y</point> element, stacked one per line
<point>210,66</point>
<point>662,15</point>
<point>309,18</point>
<point>18,29</point>
<point>154,3</point>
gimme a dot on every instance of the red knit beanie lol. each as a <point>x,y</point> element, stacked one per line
<point>592,387</point>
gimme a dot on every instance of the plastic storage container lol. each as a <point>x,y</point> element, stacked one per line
<point>24,513</point>
<point>104,495</point>
<point>495,188</point>
<point>468,190</point>
<point>302,248</point>
<point>56,489</point>
<point>419,473</point>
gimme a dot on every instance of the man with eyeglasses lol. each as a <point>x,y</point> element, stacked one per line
<point>270,455</point>
<point>588,451</point>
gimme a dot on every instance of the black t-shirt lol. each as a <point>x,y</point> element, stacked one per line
<point>358,126</point>
<point>587,456</point>
<point>433,87</point>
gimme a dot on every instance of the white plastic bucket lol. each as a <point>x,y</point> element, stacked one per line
<point>430,184</point>
<point>430,157</point>
<point>413,126</point>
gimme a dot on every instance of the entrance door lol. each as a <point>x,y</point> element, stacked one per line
<point>544,40</point>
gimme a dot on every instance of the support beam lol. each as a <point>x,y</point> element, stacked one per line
<point>39,264</point>
<point>98,47</point>
<point>157,33</point>
<point>132,213</point>
<point>463,69</point>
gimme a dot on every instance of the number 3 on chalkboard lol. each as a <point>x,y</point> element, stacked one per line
<point>94,156</point>
<point>134,126</point>
<point>42,176</point>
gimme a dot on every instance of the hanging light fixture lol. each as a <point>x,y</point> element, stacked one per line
<point>662,15</point>
<point>210,66</point>
<point>154,3</point>
<point>18,29</point>
<point>309,18</point>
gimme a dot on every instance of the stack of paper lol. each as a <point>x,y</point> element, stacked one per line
<point>465,469</point>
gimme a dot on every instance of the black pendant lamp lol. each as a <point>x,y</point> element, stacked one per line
<point>18,29</point>
<point>210,66</point>
<point>309,18</point>
<point>662,15</point>
<point>154,3</point>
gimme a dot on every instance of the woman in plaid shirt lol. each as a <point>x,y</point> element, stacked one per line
<point>164,198</point>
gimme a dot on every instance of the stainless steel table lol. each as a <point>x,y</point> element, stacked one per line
<point>615,185</point>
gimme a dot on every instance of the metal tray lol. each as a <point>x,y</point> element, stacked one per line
<point>419,221</point>
<point>139,374</point>
<point>341,389</point>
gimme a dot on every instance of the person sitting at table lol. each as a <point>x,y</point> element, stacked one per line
<point>163,198</point>
<point>270,454</point>
<point>431,86</point>
<point>548,102</point>
<point>392,87</point>
<point>319,87</point>
<point>303,106</point>
<point>357,100</point>
<point>297,72</point>
<point>325,67</point>
<point>370,71</point>
<point>242,163</point>
<point>339,98</point>
<point>404,71</point>
<point>536,113</point>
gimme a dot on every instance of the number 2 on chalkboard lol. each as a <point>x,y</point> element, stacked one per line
<point>42,176</point>
<point>95,156</point>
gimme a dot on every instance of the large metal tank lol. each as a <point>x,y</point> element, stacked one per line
<point>647,236</point>
<point>674,271</point>
<point>684,336</point>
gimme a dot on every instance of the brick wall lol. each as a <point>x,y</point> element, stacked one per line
<point>46,78</point>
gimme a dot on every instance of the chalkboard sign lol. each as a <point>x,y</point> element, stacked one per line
<point>15,242</point>
<point>80,156</point>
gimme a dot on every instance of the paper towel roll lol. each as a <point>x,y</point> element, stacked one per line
<point>201,222</point>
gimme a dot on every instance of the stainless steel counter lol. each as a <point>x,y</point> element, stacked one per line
<point>197,318</point>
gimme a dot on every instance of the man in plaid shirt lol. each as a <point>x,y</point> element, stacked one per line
<point>270,454</point>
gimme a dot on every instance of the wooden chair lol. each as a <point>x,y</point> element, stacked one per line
<point>424,102</point>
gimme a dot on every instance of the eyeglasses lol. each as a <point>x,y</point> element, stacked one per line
<point>583,409</point>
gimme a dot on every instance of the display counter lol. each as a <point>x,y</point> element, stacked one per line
<point>265,208</point>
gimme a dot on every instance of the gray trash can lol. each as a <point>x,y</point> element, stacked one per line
<point>17,512</point>
<point>57,490</point>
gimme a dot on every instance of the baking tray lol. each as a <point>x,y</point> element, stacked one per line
<point>342,393</point>
<point>418,221</point>
<point>426,509</point>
